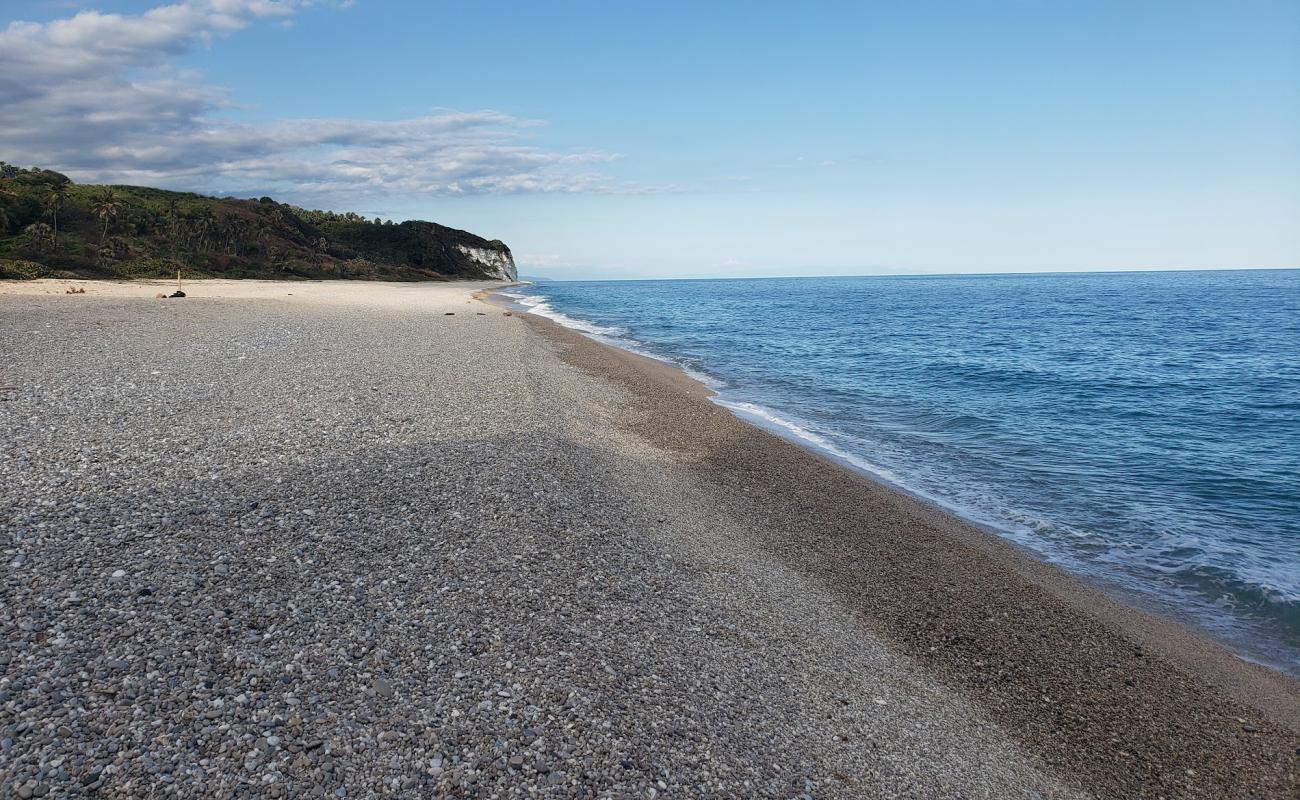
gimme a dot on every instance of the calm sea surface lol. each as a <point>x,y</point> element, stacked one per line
<point>1141,428</point>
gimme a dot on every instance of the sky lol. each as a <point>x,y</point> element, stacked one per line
<point>635,140</point>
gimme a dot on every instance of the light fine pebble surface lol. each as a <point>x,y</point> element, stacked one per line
<point>367,540</point>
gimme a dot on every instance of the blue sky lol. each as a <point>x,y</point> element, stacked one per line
<point>701,139</point>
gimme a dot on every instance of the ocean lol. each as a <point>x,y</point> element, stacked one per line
<point>1140,429</point>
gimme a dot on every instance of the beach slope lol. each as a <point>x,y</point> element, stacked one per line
<point>355,539</point>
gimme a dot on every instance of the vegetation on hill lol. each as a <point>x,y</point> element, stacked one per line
<point>52,227</point>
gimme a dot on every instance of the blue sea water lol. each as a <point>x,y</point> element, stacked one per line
<point>1142,429</point>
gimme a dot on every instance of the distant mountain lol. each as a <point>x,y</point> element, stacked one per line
<point>52,227</point>
<point>535,278</point>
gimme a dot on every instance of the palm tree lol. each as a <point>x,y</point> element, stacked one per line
<point>173,217</point>
<point>42,235</point>
<point>236,231</point>
<point>106,209</point>
<point>204,226</point>
<point>6,219</point>
<point>261,233</point>
<point>54,203</point>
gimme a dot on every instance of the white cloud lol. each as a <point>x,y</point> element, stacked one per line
<point>99,96</point>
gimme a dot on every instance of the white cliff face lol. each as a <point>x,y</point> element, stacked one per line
<point>497,263</point>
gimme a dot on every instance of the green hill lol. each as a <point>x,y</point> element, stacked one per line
<point>52,227</point>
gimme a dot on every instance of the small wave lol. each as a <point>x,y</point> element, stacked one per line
<point>1236,589</point>
<point>976,512</point>
<point>1042,525</point>
<point>540,307</point>
<point>608,334</point>
<point>1284,405</point>
<point>769,420</point>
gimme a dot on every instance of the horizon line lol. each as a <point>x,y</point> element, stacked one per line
<point>1099,271</point>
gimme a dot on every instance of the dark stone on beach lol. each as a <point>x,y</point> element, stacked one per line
<point>177,293</point>
<point>449,313</point>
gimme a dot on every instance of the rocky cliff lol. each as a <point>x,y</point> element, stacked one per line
<point>497,262</point>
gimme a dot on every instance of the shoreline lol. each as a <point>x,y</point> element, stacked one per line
<point>768,420</point>
<point>1127,596</point>
<point>380,540</point>
<point>387,539</point>
<point>1024,637</point>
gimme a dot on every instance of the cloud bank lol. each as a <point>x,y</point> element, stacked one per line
<point>100,97</point>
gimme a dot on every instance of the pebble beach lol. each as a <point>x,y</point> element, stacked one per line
<point>348,539</point>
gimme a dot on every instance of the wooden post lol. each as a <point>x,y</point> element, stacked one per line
<point>178,280</point>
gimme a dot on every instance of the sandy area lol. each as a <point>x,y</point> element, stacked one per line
<point>287,539</point>
<point>346,293</point>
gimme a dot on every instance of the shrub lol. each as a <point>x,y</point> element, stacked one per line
<point>22,270</point>
<point>147,268</point>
